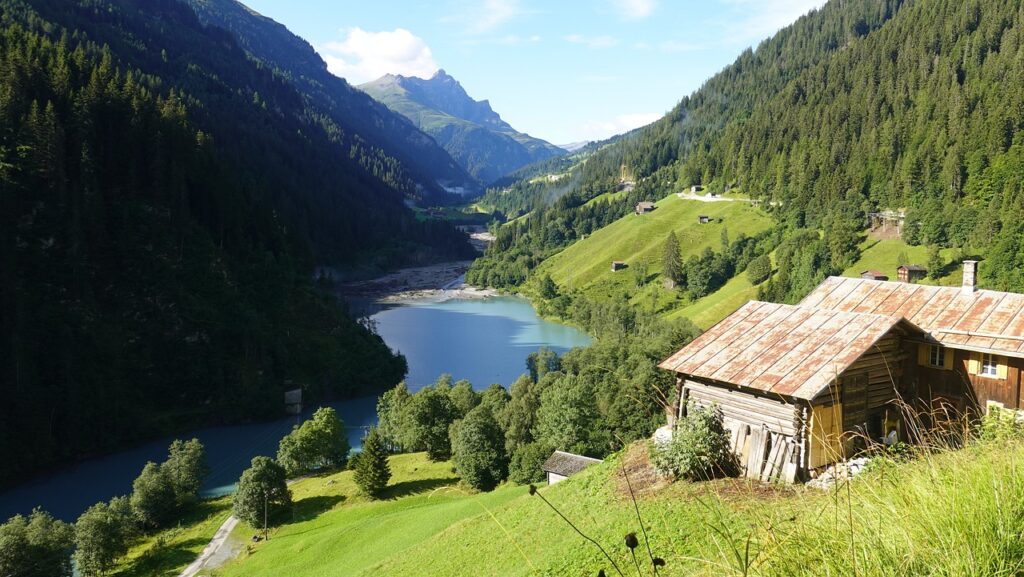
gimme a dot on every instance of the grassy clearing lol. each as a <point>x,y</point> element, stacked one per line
<point>953,513</point>
<point>586,264</point>
<point>884,256</point>
<point>166,553</point>
<point>716,306</point>
<point>339,532</point>
<point>945,513</point>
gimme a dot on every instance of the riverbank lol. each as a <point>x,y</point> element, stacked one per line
<point>437,283</point>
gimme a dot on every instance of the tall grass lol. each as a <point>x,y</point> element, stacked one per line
<point>948,511</point>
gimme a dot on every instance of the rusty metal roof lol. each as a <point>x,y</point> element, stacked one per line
<point>788,350</point>
<point>988,321</point>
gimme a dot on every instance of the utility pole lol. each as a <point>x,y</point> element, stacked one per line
<point>266,536</point>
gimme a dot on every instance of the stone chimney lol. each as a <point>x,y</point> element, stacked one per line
<point>970,277</point>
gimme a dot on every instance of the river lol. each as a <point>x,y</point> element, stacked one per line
<point>483,340</point>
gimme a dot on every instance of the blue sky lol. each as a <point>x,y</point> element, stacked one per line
<point>563,70</point>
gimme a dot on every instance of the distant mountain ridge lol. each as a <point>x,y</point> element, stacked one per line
<point>470,130</point>
<point>372,125</point>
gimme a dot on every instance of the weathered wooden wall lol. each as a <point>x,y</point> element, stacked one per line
<point>967,391</point>
<point>766,432</point>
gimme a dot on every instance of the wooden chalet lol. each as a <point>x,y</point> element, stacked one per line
<point>801,386</point>
<point>874,275</point>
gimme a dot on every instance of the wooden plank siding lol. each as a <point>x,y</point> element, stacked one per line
<point>969,392</point>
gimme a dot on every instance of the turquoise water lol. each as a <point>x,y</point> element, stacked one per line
<point>485,341</point>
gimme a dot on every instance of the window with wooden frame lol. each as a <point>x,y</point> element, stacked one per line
<point>935,356</point>
<point>987,365</point>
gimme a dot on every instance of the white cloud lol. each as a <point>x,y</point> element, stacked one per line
<point>593,42</point>
<point>363,56</point>
<point>762,18</point>
<point>482,17</point>
<point>599,130</point>
<point>635,9</point>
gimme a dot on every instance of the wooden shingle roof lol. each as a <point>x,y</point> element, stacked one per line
<point>788,350</point>
<point>566,464</point>
<point>985,320</point>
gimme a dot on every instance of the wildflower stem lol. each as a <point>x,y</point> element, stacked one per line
<point>647,541</point>
<point>582,534</point>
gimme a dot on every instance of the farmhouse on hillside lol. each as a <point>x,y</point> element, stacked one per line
<point>802,386</point>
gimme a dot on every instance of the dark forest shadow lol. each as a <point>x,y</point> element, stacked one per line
<point>412,487</point>
<point>311,507</point>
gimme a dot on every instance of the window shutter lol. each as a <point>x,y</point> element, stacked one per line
<point>1000,367</point>
<point>922,354</point>
<point>947,359</point>
<point>974,363</point>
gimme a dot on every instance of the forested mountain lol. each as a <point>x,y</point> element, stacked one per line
<point>861,105</point>
<point>164,199</point>
<point>385,140</point>
<point>469,130</point>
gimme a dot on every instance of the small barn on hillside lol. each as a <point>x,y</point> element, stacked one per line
<point>874,275</point>
<point>644,207</point>
<point>561,465</point>
<point>798,386</point>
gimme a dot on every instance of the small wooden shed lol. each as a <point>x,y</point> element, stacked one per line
<point>703,219</point>
<point>873,275</point>
<point>797,385</point>
<point>618,265</point>
<point>644,207</point>
<point>910,272</point>
<point>561,465</point>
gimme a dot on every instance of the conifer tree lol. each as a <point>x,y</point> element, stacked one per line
<point>671,262</point>
<point>372,471</point>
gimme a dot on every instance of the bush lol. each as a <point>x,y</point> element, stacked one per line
<point>101,536</point>
<point>153,499</point>
<point>319,443</point>
<point>372,471</point>
<point>525,466</point>
<point>699,448</point>
<point>262,491</point>
<point>36,546</point>
<point>478,450</point>
<point>186,468</point>
<point>759,269</point>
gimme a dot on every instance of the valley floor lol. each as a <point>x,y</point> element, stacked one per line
<point>440,281</point>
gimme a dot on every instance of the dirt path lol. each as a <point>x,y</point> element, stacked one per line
<point>217,551</point>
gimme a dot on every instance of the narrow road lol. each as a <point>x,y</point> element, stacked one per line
<point>212,548</point>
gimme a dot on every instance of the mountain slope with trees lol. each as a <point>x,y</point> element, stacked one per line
<point>487,146</point>
<point>857,107</point>
<point>164,200</point>
<point>385,140</point>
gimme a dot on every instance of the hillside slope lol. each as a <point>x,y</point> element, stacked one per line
<point>901,519</point>
<point>380,135</point>
<point>165,199</point>
<point>637,240</point>
<point>487,146</point>
<point>857,107</point>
